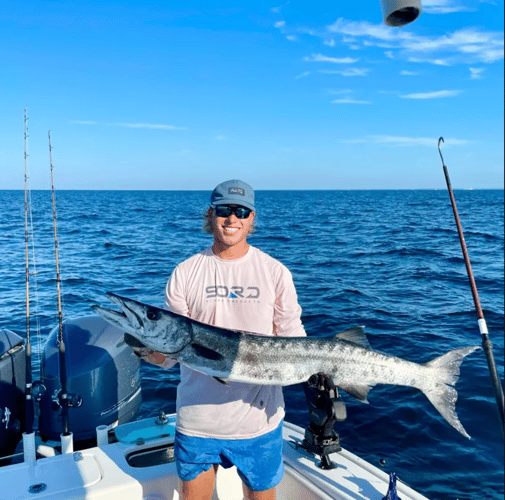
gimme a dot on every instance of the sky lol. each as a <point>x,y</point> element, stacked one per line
<point>283,94</point>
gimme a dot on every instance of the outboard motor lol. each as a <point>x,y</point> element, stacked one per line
<point>12,390</point>
<point>103,379</point>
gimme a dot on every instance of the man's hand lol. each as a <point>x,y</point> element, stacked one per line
<point>324,383</point>
<point>155,358</point>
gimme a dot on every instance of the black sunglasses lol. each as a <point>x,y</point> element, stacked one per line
<point>226,211</point>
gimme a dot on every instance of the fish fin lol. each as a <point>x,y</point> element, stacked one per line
<point>220,380</point>
<point>439,386</point>
<point>357,391</point>
<point>355,335</point>
<point>206,353</point>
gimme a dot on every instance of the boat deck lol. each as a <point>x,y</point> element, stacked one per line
<point>140,466</point>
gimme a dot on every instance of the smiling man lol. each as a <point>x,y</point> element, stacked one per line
<point>235,286</point>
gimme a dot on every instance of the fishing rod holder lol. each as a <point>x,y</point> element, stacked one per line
<point>326,408</point>
<point>68,400</point>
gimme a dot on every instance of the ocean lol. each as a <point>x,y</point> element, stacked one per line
<point>387,260</point>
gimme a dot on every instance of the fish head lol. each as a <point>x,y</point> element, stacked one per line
<point>156,329</point>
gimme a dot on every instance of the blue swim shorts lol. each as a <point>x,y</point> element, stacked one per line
<point>258,460</point>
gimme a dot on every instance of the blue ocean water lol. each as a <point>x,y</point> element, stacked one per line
<point>388,260</point>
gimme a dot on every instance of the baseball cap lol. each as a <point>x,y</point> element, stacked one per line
<point>233,192</point>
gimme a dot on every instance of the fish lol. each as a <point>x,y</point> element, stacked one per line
<point>236,356</point>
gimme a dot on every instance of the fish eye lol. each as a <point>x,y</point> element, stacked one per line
<point>152,314</point>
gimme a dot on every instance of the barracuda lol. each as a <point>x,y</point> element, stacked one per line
<point>244,357</point>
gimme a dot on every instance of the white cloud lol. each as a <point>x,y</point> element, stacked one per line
<point>333,60</point>
<point>156,126</point>
<point>303,75</point>
<point>436,62</point>
<point>468,45</point>
<point>408,73</point>
<point>444,7</point>
<point>433,95</point>
<point>220,137</point>
<point>291,38</point>
<point>277,10</point>
<point>349,101</point>
<point>280,24</point>
<point>346,72</point>
<point>476,73</point>
<point>362,29</point>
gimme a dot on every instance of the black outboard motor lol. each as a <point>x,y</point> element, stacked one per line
<point>103,379</point>
<point>12,390</point>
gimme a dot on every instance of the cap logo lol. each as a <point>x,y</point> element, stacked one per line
<point>236,190</point>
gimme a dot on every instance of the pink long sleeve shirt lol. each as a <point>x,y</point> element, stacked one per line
<point>255,294</point>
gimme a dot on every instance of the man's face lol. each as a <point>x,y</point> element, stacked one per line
<point>230,230</point>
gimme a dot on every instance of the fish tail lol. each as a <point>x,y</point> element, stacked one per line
<point>439,388</point>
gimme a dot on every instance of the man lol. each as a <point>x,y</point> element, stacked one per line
<point>235,286</point>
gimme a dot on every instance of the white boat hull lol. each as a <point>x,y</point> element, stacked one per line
<point>139,467</point>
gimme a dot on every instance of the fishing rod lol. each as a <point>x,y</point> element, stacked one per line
<point>30,411</point>
<point>65,402</point>
<point>486,342</point>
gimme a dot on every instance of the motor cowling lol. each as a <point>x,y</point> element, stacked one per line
<point>12,390</point>
<point>103,379</point>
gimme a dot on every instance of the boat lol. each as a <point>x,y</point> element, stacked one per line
<point>108,454</point>
<point>135,459</point>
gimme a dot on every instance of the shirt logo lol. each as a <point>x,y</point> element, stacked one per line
<point>234,292</point>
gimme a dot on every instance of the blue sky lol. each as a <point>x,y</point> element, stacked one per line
<point>284,95</point>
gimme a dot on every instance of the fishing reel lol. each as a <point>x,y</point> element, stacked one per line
<point>325,409</point>
<point>60,400</point>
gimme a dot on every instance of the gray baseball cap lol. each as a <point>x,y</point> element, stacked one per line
<point>233,192</point>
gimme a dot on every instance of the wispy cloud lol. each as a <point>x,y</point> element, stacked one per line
<point>347,97</point>
<point>408,73</point>
<point>277,10</point>
<point>433,95</point>
<point>349,100</point>
<point>155,126</point>
<point>280,24</point>
<point>303,75</point>
<point>327,59</point>
<point>349,72</point>
<point>476,73</point>
<point>436,62</point>
<point>468,45</point>
<point>444,7</point>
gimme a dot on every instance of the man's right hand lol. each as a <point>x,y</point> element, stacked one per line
<point>155,358</point>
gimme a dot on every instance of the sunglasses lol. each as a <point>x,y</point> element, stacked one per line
<point>225,211</point>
